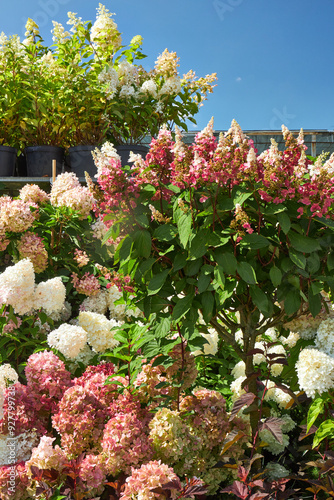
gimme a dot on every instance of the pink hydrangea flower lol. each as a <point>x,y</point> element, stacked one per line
<point>47,379</point>
<point>149,476</point>
<point>32,246</point>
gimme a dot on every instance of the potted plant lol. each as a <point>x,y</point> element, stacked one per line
<point>10,57</point>
<point>146,100</point>
<point>43,116</point>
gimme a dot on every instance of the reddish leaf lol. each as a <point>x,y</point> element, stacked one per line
<point>243,473</point>
<point>231,438</point>
<point>287,390</point>
<point>237,488</point>
<point>244,400</point>
<point>258,495</point>
<point>255,351</point>
<point>274,425</point>
<point>37,474</point>
<point>257,482</point>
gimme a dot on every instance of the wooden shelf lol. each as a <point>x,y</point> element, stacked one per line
<point>13,184</point>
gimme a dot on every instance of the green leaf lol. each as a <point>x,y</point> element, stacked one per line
<point>184,227</point>
<point>284,221</point>
<point>326,429</point>
<point>143,243</point>
<point>182,307</point>
<point>254,241</point>
<point>207,301</point>
<point>297,258</point>
<point>292,302</point>
<point>303,243</point>
<point>163,327</point>
<point>314,302</point>
<point>314,411</point>
<point>179,261</point>
<point>275,276</point>
<point>107,235</point>
<point>167,232</point>
<point>313,263</point>
<point>124,251</point>
<point>219,275</point>
<point>246,272</point>
<point>227,261</point>
<point>193,267</point>
<point>142,219</point>
<point>260,299</point>
<point>330,261</point>
<point>157,282</point>
<point>199,245</point>
<point>203,282</point>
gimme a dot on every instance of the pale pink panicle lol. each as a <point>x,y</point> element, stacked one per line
<point>81,257</point>
<point>4,241</point>
<point>104,32</point>
<point>45,456</point>
<point>84,409</point>
<point>31,246</point>
<point>16,216</point>
<point>31,193</point>
<point>148,477</point>
<point>125,443</point>
<point>12,324</point>
<point>63,183</point>
<point>92,472</point>
<point>23,410</point>
<point>79,199</point>
<point>47,379</point>
<point>88,284</point>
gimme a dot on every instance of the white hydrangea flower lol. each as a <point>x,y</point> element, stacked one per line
<point>45,456</point>
<point>68,339</point>
<point>96,303</point>
<point>127,91</point>
<point>291,340</point>
<point>149,87</point>
<point>17,284</point>
<point>102,157</point>
<point>8,376</point>
<point>324,339</point>
<point>85,356</point>
<point>24,443</point>
<point>64,314</point>
<point>50,295</point>
<point>212,346</point>
<point>306,326</point>
<point>127,73</point>
<point>315,371</point>
<point>239,337</point>
<point>239,370</point>
<point>98,328</point>
<point>236,388</point>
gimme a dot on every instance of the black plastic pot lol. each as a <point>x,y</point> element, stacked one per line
<point>125,149</point>
<point>7,161</point>
<point>80,160</point>
<point>39,160</point>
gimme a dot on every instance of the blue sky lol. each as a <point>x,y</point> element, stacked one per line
<point>274,59</point>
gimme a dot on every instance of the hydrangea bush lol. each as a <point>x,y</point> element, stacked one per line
<point>166,332</point>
